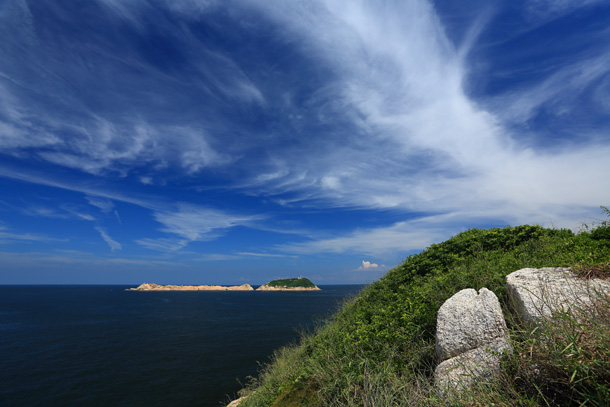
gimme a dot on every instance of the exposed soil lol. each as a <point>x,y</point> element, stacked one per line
<point>590,272</point>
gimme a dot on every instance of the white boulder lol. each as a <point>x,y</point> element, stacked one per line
<point>537,293</point>
<point>467,321</point>
<point>471,334</point>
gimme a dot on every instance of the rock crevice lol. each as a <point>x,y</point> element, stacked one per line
<point>470,336</point>
<point>471,330</point>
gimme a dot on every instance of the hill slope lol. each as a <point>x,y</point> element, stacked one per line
<point>289,284</point>
<point>378,350</point>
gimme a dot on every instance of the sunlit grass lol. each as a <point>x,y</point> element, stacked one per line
<point>378,350</point>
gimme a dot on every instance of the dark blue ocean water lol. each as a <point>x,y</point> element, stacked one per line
<point>103,346</point>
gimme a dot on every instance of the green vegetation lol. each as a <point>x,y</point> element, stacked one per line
<point>378,350</point>
<point>300,282</point>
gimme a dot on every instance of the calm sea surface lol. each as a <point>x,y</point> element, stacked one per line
<point>103,346</point>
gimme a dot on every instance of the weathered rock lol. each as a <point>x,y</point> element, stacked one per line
<point>157,287</point>
<point>537,293</point>
<point>464,370</point>
<point>471,333</point>
<point>467,321</point>
<point>237,402</point>
<point>268,288</point>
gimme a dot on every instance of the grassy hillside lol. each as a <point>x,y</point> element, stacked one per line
<point>378,350</point>
<point>292,283</point>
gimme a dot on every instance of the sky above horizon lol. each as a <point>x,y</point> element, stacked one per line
<point>230,142</point>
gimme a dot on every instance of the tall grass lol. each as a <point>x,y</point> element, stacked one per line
<point>378,350</point>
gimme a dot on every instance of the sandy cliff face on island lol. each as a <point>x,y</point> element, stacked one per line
<point>157,287</point>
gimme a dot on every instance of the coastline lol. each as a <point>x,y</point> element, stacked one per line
<point>243,287</point>
<point>268,288</point>
<point>171,287</point>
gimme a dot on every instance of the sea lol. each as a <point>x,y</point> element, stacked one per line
<point>104,346</point>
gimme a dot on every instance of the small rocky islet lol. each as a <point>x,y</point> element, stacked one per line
<point>288,284</point>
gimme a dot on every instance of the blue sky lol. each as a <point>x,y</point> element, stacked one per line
<point>223,142</point>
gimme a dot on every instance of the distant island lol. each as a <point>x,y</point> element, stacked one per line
<point>157,287</point>
<point>289,284</point>
<point>285,284</point>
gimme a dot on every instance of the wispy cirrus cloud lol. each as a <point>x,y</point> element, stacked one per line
<point>420,141</point>
<point>80,258</point>
<point>93,134</point>
<point>114,245</point>
<point>548,9</point>
<point>398,238</point>
<point>386,119</point>
<point>386,122</point>
<point>163,244</point>
<point>268,255</point>
<point>62,211</point>
<point>9,236</point>
<point>190,223</point>
<point>241,256</point>
<point>193,222</point>
<point>105,205</point>
<point>560,93</point>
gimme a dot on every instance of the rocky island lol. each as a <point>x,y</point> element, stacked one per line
<point>157,287</point>
<point>289,284</point>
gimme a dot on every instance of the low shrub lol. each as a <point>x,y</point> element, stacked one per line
<point>378,350</point>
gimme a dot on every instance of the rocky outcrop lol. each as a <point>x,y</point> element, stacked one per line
<point>471,331</point>
<point>470,336</point>
<point>236,402</point>
<point>461,371</point>
<point>537,293</point>
<point>266,287</point>
<point>289,284</point>
<point>157,287</point>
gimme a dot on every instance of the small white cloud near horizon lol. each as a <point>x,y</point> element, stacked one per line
<point>367,265</point>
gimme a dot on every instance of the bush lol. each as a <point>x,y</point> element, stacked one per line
<point>382,342</point>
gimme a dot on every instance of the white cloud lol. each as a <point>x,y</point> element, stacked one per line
<point>368,264</point>
<point>163,244</point>
<point>113,244</point>
<point>250,254</point>
<point>77,257</point>
<point>104,146</point>
<point>84,216</point>
<point>66,211</point>
<point>421,143</point>
<point>372,267</point>
<point>240,255</point>
<point>193,223</point>
<point>105,205</point>
<point>7,236</point>
<point>557,93</point>
<point>398,238</point>
<point>548,9</point>
<point>69,132</point>
<point>218,257</point>
<point>410,137</point>
<point>118,218</point>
